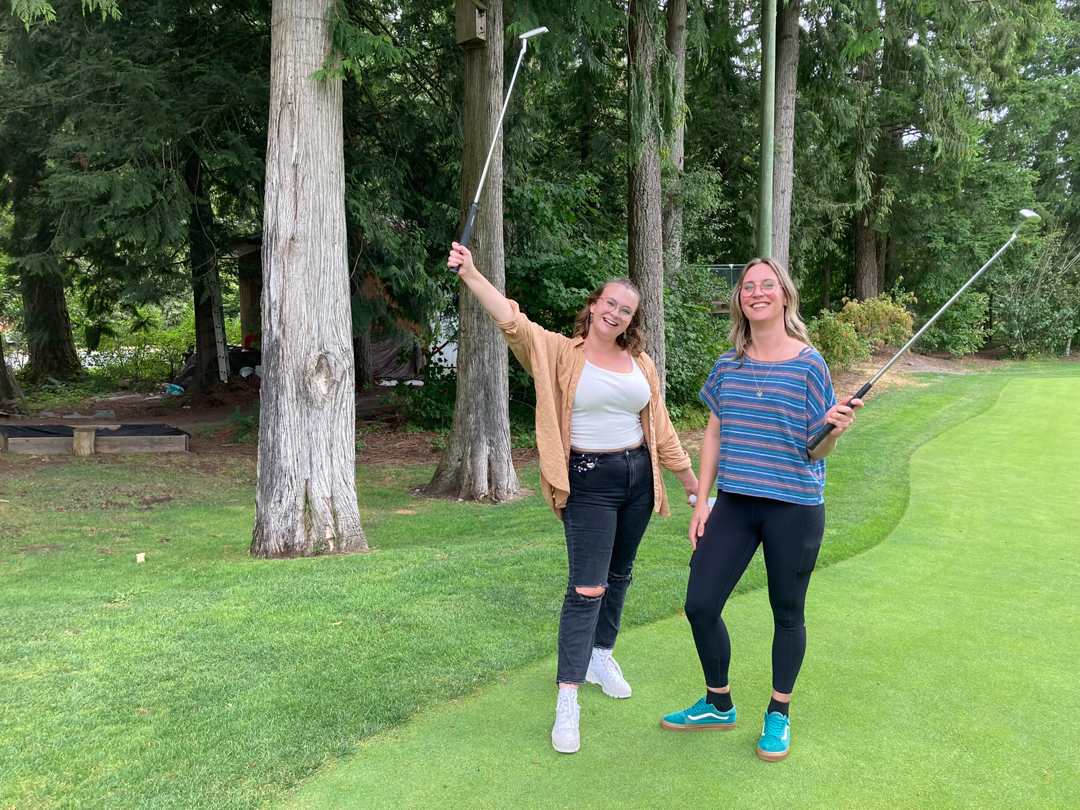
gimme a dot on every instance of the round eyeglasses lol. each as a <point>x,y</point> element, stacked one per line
<point>768,287</point>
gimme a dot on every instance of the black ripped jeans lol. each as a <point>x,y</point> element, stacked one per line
<point>610,503</point>
<point>790,535</point>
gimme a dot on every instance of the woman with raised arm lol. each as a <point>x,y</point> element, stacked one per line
<point>768,396</point>
<point>603,433</point>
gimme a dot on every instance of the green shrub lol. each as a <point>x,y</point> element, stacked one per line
<point>429,406</point>
<point>836,339</point>
<point>245,427</point>
<point>881,321</point>
<point>961,329</point>
<point>1037,305</point>
<point>695,336</point>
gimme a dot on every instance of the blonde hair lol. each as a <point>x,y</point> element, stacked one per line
<point>740,326</point>
<point>633,339</point>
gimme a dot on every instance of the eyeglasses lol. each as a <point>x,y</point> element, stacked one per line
<point>610,305</point>
<point>768,287</point>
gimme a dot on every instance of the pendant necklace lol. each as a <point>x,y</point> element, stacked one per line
<point>761,387</point>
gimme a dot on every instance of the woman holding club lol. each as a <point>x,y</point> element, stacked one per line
<point>768,395</point>
<point>603,433</point>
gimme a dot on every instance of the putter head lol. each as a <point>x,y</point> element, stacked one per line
<point>1030,216</point>
<point>533,33</point>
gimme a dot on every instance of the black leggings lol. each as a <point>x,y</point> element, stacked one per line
<point>790,534</point>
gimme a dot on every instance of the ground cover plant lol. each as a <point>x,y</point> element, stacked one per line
<point>934,660</point>
<point>205,678</point>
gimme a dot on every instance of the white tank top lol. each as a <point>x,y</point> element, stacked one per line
<point>607,408</point>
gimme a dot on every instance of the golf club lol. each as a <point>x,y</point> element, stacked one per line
<point>465,234</point>
<point>1027,216</point>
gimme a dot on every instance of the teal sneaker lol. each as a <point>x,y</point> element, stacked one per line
<point>702,716</point>
<point>775,737</point>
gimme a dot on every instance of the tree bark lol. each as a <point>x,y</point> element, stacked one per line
<point>306,494</point>
<point>477,464</point>
<point>6,390</point>
<point>645,239</point>
<point>826,281</point>
<point>866,272</point>
<point>787,71</point>
<point>202,257</point>
<point>49,338</point>
<point>365,363</point>
<point>673,202</point>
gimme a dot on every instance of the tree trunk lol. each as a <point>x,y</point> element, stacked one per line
<point>787,72</point>
<point>645,240</point>
<point>6,390</point>
<point>49,338</point>
<point>767,129</point>
<point>826,281</point>
<point>866,272</point>
<point>203,261</point>
<point>365,363</point>
<point>477,464</point>
<point>673,202</point>
<point>306,494</point>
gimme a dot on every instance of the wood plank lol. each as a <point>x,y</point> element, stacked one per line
<point>140,444</point>
<point>40,445</point>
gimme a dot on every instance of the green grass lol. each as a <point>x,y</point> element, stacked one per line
<point>205,678</point>
<point>940,673</point>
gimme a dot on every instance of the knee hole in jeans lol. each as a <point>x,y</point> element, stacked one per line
<point>592,593</point>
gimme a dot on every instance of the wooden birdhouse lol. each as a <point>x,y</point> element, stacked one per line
<point>471,23</point>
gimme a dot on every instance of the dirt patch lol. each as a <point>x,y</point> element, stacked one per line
<point>39,549</point>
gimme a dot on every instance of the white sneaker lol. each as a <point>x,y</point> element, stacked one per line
<point>565,737</point>
<point>605,670</point>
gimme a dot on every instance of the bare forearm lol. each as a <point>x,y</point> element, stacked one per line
<point>710,459</point>
<point>494,302</point>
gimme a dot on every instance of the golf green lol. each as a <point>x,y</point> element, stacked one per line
<point>941,667</point>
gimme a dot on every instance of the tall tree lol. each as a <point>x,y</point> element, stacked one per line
<point>673,198</point>
<point>787,70</point>
<point>645,244</point>
<point>477,464</point>
<point>306,494</point>
<point>767,129</point>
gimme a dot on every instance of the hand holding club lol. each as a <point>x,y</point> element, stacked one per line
<point>842,415</point>
<point>460,259</point>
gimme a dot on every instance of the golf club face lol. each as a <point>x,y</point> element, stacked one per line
<point>535,32</point>
<point>1030,216</point>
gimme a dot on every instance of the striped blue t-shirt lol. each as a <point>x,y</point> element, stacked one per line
<point>767,412</point>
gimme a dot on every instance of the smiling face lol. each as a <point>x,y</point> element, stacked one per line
<point>761,296</point>
<point>613,312</point>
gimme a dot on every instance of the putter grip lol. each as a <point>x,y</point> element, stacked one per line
<point>465,234</point>
<point>819,437</point>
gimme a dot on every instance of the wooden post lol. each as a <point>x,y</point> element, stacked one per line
<point>82,441</point>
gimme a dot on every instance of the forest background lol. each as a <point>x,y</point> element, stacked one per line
<point>133,151</point>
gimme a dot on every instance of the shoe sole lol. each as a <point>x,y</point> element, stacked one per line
<point>566,749</point>
<point>697,727</point>
<point>771,756</point>
<point>603,688</point>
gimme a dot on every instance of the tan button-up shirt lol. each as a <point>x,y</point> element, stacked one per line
<point>555,363</point>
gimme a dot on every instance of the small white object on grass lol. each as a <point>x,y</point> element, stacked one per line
<point>140,557</point>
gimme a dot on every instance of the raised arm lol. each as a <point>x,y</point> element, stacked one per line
<point>496,304</point>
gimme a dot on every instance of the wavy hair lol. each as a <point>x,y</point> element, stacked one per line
<point>740,326</point>
<point>633,339</point>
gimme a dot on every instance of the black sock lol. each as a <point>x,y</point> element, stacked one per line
<point>721,700</point>
<point>778,706</point>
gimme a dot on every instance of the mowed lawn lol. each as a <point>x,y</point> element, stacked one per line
<point>941,670</point>
<point>203,678</point>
